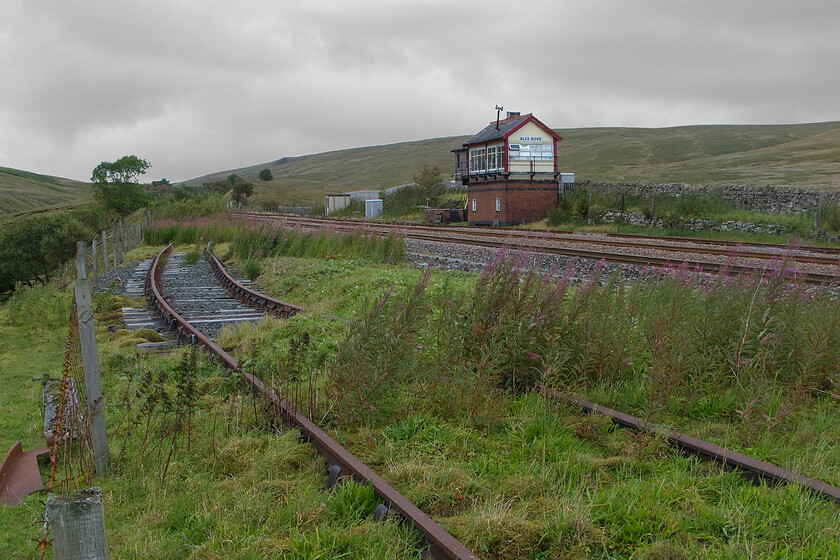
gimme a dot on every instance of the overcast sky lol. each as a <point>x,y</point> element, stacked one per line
<point>201,86</point>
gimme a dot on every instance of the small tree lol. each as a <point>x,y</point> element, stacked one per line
<point>33,247</point>
<point>219,187</point>
<point>241,191</point>
<point>428,177</point>
<point>115,184</point>
<point>265,175</point>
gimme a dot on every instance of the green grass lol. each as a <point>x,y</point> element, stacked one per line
<point>22,191</point>
<point>801,154</point>
<point>525,477</point>
<point>234,488</point>
<point>446,371</point>
<point>549,483</point>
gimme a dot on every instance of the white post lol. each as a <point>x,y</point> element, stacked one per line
<point>90,362</point>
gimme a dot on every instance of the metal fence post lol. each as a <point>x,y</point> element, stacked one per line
<point>90,361</point>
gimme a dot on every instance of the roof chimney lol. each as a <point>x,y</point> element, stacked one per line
<point>513,114</point>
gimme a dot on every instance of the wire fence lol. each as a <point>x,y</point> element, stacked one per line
<point>67,427</point>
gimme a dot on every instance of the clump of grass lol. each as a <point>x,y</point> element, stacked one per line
<point>185,203</point>
<point>252,267</point>
<point>251,240</point>
<point>192,256</point>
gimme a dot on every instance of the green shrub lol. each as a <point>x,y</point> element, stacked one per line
<point>252,268</point>
<point>572,208</point>
<point>829,216</point>
<point>33,247</point>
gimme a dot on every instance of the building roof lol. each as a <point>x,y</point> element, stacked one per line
<point>506,128</point>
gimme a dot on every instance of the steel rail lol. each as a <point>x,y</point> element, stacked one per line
<point>449,235</point>
<point>441,545</point>
<point>815,278</point>
<point>731,459</point>
<point>631,240</point>
<point>246,295</point>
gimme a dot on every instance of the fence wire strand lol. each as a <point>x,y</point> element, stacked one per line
<point>69,438</point>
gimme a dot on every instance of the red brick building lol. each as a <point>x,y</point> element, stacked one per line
<point>510,170</point>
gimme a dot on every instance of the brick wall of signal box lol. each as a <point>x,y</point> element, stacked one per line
<point>521,201</point>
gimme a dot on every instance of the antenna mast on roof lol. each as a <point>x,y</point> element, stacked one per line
<point>499,110</point>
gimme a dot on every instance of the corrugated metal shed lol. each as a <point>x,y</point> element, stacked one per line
<point>373,208</point>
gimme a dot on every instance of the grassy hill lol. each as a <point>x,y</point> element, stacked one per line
<point>796,155</point>
<point>306,179</point>
<point>22,191</point>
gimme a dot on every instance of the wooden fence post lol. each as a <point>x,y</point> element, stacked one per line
<point>104,253</point>
<point>90,362</point>
<point>93,260</point>
<point>115,242</point>
<point>77,525</point>
<point>120,240</point>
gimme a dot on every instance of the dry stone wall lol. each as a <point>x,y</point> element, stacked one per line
<point>766,198</point>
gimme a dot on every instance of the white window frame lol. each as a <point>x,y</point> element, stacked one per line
<point>495,158</point>
<point>478,160</point>
<point>533,152</point>
<point>498,205</point>
<point>473,206</point>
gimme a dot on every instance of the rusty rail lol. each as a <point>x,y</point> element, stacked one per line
<point>442,545</point>
<point>732,459</point>
<point>247,295</point>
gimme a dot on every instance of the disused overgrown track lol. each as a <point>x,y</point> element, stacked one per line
<point>753,468</point>
<point>441,545</point>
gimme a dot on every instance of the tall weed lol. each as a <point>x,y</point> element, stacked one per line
<point>377,355</point>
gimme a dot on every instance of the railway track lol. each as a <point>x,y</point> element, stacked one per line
<point>341,462</point>
<point>813,265</point>
<point>441,545</point>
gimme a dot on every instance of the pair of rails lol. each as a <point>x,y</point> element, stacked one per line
<point>340,462</point>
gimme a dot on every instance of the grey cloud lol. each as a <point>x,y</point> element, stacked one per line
<point>199,86</point>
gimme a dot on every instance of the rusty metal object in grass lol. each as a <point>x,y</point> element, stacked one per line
<point>731,459</point>
<point>19,474</point>
<point>441,545</point>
